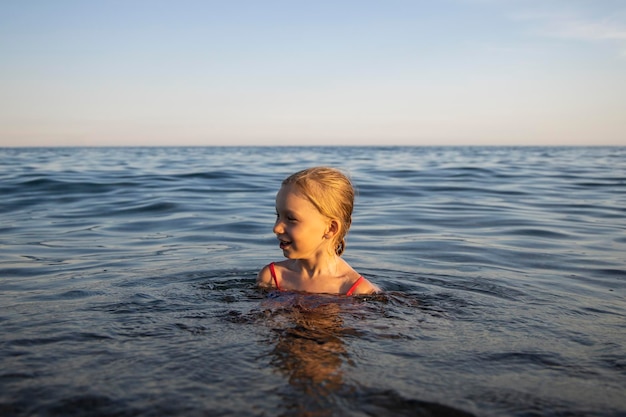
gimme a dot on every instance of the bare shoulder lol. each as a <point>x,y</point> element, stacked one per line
<point>264,277</point>
<point>366,287</point>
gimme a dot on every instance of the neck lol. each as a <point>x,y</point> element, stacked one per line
<point>323,264</point>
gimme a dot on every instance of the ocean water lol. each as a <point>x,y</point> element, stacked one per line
<point>127,285</point>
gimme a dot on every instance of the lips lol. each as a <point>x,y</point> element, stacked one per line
<point>284,243</point>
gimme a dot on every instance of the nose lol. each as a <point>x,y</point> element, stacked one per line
<point>278,227</point>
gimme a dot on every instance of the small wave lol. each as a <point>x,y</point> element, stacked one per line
<point>87,404</point>
<point>390,403</point>
<point>210,175</point>
<point>524,359</point>
<point>543,233</point>
<point>147,208</point>
<point>51,186</point>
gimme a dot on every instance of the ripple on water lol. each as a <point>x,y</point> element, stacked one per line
<point>128,284</point>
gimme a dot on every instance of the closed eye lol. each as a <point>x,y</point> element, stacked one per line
<point>289,217</point>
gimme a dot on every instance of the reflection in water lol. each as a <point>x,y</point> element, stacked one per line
<point>311,347</point>
<point>309,350</point>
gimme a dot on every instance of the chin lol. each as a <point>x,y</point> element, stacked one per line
<point>291,255</point>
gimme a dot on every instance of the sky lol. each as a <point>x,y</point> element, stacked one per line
<point>268,72</point>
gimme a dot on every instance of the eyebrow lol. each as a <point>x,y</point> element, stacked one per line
<point>287,212</point>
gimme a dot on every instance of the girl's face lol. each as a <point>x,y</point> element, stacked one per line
<point>300,227</point>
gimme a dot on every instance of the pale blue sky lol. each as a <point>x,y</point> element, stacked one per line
<point>254,72</point>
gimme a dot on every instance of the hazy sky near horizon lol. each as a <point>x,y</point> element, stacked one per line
<point>252,72</point>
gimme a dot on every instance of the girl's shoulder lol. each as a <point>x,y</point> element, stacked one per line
<point>359,285</point>
<point>365,287</point>
<point>267,276</point>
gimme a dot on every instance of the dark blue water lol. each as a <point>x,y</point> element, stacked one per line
<point>127,285</point>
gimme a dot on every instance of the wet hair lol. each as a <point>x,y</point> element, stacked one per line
<point>332,193</point>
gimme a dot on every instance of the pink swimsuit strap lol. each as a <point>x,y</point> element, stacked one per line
<point>356,284</point>
<point>273,272</point>
<point>350,291</point>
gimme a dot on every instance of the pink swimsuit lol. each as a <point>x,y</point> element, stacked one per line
<point>350,291</point>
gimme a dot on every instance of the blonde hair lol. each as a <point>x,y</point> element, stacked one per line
<point>332,193</point>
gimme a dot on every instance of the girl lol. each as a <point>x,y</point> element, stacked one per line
<point>313,215</point>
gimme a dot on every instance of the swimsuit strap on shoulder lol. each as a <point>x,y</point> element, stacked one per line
<point>273,273</point>
<point>356,284</point>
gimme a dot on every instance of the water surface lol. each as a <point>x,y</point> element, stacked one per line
<point>127,285</point>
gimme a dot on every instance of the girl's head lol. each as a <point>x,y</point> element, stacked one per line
<point>332,194</point>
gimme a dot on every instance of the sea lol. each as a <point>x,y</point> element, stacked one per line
<point>127,284</point>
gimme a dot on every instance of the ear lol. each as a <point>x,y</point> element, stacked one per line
<point>332,229</point>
